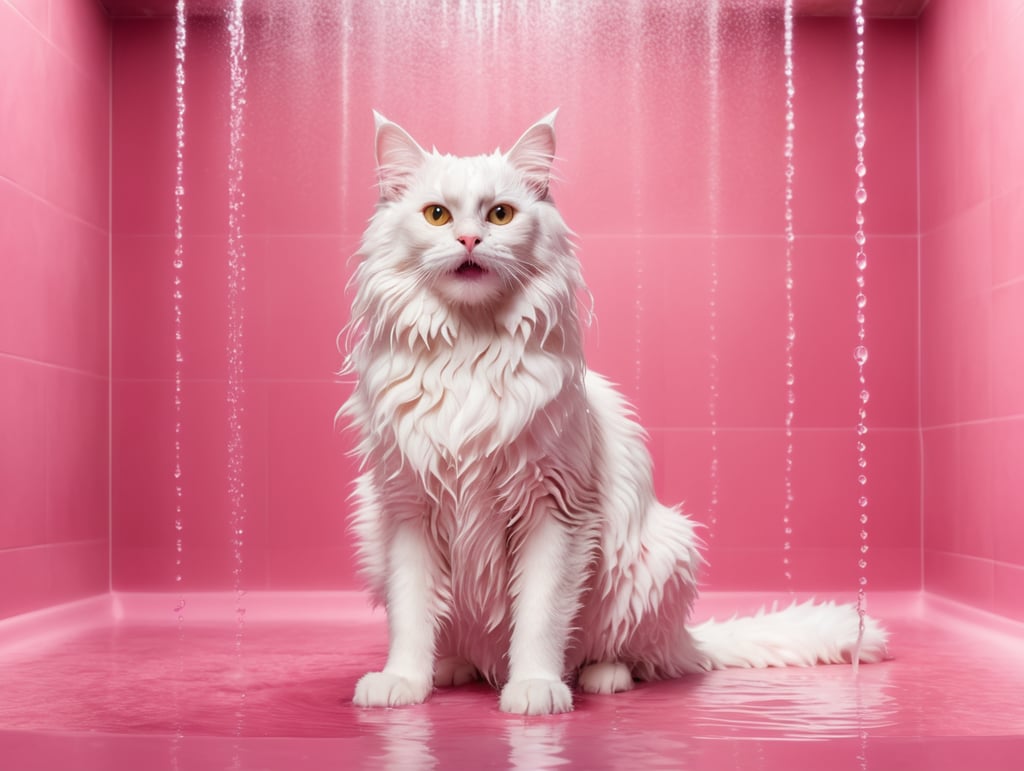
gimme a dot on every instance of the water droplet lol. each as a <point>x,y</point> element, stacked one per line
<point>860,354</point>
<point>860,138</point>
<point>861,169</point>
<point>862,261</point>
<point>860,238</point>
<point>864,396</point>
<point>862,300</point>
<point>862,462</point>
<point>178,263</point>
<point>862,195</point>
<point>862,501</point>
<point>862,479</point>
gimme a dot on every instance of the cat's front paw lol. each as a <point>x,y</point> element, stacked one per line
<point>536,697</point>
<point>383,689</point>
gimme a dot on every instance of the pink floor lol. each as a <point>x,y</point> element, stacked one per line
<point>114,682</point>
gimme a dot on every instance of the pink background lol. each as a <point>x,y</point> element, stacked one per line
<point>86,322</point>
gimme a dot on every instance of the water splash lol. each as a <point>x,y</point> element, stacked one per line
<point>236,327</point>
<point>860,352</point>
<point>788,153</point>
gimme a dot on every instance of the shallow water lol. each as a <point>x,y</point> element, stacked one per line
<point>127,693</point>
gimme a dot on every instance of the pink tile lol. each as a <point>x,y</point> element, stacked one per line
<point>36,12</point>
<point>27,569</point>
<point>142,128</point>
<point>78,569</point>
<point>309,473</point>
<point>1009,590</point>
<point>957,347</point>
<point>827,388</point>
<point>1008,236</point>
<point>966,579</point>
<point>144,499</point>
<point>53,256</point>
<point>304,306</point>
<point>82,32</point>
<point>1007,118</point>
<point>943,489</point>
<point>77,435</point>
<point>52,574</point>
<point>77,163</point>
<point>1006,364</point>
<point>614,269</point>
<point>24,101</point>
<point>1007,459</point>
<point>825,154</point>
<point>143,307</point>
<point>959,514</point>
<point>23,456</point>
<point>669,360</point>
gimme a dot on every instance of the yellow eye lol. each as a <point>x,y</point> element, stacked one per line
<point>436,214</point>
<point>501,214</point>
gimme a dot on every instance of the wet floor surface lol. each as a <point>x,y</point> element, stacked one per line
<point>276,694</point>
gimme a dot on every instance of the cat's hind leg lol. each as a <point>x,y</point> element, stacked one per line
<point>453,671</point>
<point>606,677</point>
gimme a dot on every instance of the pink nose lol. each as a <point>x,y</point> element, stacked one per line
<point>468,241</point>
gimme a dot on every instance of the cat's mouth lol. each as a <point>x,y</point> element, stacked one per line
<point>470,269</point>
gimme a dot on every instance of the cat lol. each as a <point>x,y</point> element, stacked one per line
<point>505,511</point>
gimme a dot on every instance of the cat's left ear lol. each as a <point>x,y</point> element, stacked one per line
<point>398,157</point>
<point>534,153</point>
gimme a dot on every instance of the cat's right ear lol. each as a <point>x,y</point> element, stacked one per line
<point>398,157</point>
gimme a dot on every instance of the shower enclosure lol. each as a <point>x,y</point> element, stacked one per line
<point>804,240</point>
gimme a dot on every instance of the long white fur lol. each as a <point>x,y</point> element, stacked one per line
<point>506,515</point>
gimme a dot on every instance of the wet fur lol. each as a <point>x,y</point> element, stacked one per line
<point>506,515</point>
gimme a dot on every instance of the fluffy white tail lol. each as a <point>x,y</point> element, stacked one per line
<point>800,635</point>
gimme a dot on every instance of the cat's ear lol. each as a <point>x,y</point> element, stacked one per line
<point>534,153</point>
<point>398,157</point>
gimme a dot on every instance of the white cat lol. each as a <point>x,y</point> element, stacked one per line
<point>506,515</point>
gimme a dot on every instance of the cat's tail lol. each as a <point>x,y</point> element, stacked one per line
<point>799,635</point>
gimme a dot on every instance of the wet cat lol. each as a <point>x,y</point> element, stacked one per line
<point>506,514</point>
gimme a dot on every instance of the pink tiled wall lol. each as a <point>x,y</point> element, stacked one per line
<point>972,300</point>
<point>54,308</point>
<point>639,157</point>
<point>638,160</point>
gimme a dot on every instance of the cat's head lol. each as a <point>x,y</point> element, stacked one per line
<point>473,231</point>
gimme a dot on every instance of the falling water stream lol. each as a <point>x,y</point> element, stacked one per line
<point>178,265</point>
<point>180,41</point>
<point>236,327</point>
<point>715,192</point>
<point>860,352</point>
<point>788,153</point>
